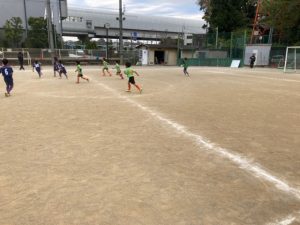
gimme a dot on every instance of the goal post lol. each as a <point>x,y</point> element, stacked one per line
<point>292,59</point>
<point>13,55</point>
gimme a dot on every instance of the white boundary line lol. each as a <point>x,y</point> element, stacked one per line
<point>285,221</point>
<point>253,76</point>
<point>242,162</point>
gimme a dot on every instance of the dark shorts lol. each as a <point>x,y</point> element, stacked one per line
<point>105,69</point>
<point>55,68</point>
<point>131,80</point>
<point>63,71</point>
<point>79,75</point>
<point>9,81</point>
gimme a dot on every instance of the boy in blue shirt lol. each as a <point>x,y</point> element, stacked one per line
<point>7,73</point>
<point>38,68</point>
<point>62,69</point>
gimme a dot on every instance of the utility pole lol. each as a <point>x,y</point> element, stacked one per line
<point>107,26</point>
<point>61,26</point>
<point>121,33</point>
<point>25,14</point>
<point>50,28</point>
<point>217,36</point>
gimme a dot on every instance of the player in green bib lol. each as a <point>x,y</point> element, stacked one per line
<point>185,67</point>
<point>105,67</point>
<point>79,73</point>
<point>119,72</point>
<point>130,74</point>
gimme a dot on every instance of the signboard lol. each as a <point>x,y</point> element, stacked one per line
<point>134,35</point>
<point>235,63</point>
<point>143,55</point>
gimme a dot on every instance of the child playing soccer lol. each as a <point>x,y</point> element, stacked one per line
<point>129,72</point>
<point>38,68</point>
<point>119,72</point>
<point>7,73</point>
<point>185,67</point>
<point>105,67</point>
<point>62,70</point>
<point>80,74</point>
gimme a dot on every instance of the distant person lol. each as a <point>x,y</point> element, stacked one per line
<point>38,68</point>
<point>62,70</point>
<point>252,60</point>
<point>119,72</point>
<point>79,73</point>
<point>55,66</point>
<point>130,74</point>
<point>21,60</point>
<point>105,67</point>
<point>7,73</point>
<point>185,66</point>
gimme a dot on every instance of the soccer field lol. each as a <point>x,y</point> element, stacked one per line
<point>219,147</point>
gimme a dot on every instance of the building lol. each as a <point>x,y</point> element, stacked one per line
<point>98,23</point>
<point>142,27</point>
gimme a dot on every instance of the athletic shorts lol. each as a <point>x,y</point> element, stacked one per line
<point>55,68</point>
<point>131,80</point>
<point>79,75</point>
<point>9,80</point>
<point>105,68</point>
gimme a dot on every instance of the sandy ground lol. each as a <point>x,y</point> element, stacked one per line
<point>91,153</point>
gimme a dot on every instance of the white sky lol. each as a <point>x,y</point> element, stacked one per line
<point>178,8</point>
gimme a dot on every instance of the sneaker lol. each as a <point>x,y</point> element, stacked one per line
<point>141,90</point>
<point>7,95</point>
<point>128,90</point>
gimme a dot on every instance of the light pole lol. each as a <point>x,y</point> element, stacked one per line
<point>107,26</point>
<point>121,31</point>
<point>50,29</point>
<point>25,15</point>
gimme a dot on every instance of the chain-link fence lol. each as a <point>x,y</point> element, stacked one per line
<point>68,56</point>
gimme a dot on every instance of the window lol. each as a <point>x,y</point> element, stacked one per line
<point>74,19</point>
<point>89,24</point>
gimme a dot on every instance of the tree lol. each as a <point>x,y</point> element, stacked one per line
<point>13,30</point>
<point>86,41</point>
<point>284,17</point>
<point>37,35</point>
<point>228,15</point>
<point>91,45</point>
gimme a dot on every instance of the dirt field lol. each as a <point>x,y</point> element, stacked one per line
<point>218,148</point>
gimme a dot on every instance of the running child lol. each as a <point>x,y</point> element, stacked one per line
<point>38,68</point>
<point>62,69</point>
<point>7,73</point>
<point>79,73</point>
<point>129,72</point>
<point>119,72</point>
<point>105,67</point>
<point>185,67</point>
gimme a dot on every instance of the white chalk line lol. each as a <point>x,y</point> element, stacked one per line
<point>243,163</point>
<point>253,76</point>
<point>287,220</point>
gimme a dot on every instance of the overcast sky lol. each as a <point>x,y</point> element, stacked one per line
<point>177,8</point>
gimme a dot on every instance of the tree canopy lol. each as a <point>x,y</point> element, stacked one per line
<point>228,15</point>
<point>13,30</point>
<point>231,15</point>
<point>37,35</point>
<point>284,17</point>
